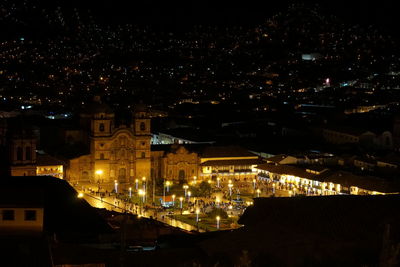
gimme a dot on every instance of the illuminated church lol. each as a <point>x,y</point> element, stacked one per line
<point>116,153</point>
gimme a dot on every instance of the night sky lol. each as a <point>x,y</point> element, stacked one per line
<point>180,14</point>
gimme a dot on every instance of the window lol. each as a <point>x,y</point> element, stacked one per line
<point>101,156</point>
<point>19,153</point>
<point>143,155</point>
<point>30,215</point>
<point>28,153</point>
<point>8,215</point>
<point>142,126</point>
<point>101,127</point>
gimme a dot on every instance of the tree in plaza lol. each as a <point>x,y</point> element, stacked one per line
<point>203,190</point>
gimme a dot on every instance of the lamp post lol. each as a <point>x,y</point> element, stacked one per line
<point>137,184</point>
<point>130,192</point>
<point>195,179</point>
<point>185,187</point>
<point>144,188</point>
<point>173,201</point>
<point>218,218</point>
<point>258,192</point>
<point>217,201</point>
<point>167,183</point>
<point>141,194</point>
<point>116,186</point>
<point>189,194</point>
<point>99,173</point>
<point>181,199</point>
<point>254,184</point>
<point>197,218</point>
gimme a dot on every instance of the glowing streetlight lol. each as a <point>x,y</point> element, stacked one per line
<point>254,184</point>
<point>142,193</point>
<point>168,183</point>
<point>116,186</point>
<point>137,183</point>
<point>194,179</point>
<point>189,194</point>
<point>173,200</point>
<point>217,201</point>
<point>99,173</point>
<point>258,192</point>
<point>185,187</point>
<point>218,218</point>
<point>197,215</point>
<point>181,199</point>
<point>230,189</point>
<point>130,192</point>
<point>144,188</point>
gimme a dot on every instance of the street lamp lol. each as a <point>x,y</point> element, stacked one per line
<point>144,187</point>
<point>189,194</point>
<point>185,187</point>
<point>130,192</point>
<point>141,194</point>
<point>254,184</point>
<point>258,192</point>
<point>167,183</point>
<point>194,179</point>
<point>137,184</point>
<point>230,189</point>
<point>99,173</point>
<point>181,199</point>
<point>217,201</point>
<point>197,215</point>
<point>218,218</point>
<point>173,201</point>
<point>116,186</point>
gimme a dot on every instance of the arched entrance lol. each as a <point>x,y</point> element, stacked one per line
<point>181,176</point>
<point>85,176</point>
<point>122,175</point>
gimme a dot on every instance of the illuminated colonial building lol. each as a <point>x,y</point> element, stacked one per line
<point>116,153</point>
<point>318,180</point>
<point>187,163</point>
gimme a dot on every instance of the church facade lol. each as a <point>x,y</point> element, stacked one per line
<point>119,154</point>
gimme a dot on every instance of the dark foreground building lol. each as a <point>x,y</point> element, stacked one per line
<point>41,213</point>
<point>314,231</point>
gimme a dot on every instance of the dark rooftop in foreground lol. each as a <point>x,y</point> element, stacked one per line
<point>66,215</point>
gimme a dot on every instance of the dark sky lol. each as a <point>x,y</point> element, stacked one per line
<point>178,13</point>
